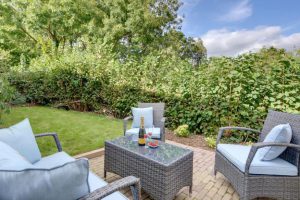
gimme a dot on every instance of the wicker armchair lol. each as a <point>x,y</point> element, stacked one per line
<point>250,186</point>
<point>130,181</point>
<point>158,117</point>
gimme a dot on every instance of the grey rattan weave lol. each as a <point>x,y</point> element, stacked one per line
<point>129,181</point>
<point>158,117</point>
<point>250,186</point>
<point>162,171</point>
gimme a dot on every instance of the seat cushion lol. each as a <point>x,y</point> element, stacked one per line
<point>21,138</point>
<point>135,131</point>
<point>54,160</point>
<point>10,159</point>
<point>238,154</point>
<point>279,134</point>
<point>95,183</point>
<point>147,113</point>
<point>65,182</point>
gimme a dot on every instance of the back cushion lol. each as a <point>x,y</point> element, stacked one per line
<point>10,159</point>
<point>158,111</point>
<point>66,182</point>
<point>279,134</point>
<point>147,113</point>
<point>21,138</point>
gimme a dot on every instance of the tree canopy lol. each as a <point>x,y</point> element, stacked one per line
<point>30,28</point>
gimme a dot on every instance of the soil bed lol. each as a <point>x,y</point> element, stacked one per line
<point>192,140</point>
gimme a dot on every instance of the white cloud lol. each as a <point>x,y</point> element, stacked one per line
<point>238,12</point>
<point>221,42</point>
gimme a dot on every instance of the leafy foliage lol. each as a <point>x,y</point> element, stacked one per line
<point>182,131</point>
<point>114,53</point>
<point>6,95</point>
<point>131,28</point>
<point>222,91</point>
<point>211,141</point>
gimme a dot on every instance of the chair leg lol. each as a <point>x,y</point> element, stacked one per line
<point>215,171</point>
<point>136,191</point>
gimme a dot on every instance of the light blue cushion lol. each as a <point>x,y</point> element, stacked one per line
<point>238,154</point>
<point>279,134</point>
<point>10,159</point>
<point>54,160</point>
<point>96,183</point>
<point>135,131</point>
<point>147,113</point>
<point>61,158</point>
<point>21,138</point>
<point>60,176</point>
<point>66,182</point>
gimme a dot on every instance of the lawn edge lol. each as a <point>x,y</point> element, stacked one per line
<point>91,154</point>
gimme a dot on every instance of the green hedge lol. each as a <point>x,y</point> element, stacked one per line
<point>223,91</point>
<point>6,95</point>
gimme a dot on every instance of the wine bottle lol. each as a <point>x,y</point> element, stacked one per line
<point>142,133</point>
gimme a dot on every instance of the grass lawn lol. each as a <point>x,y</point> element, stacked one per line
<point>78,132</point>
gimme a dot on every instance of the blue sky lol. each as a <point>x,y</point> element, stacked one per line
<point>231,27</point>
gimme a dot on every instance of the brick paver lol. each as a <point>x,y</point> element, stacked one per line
<point>205,184</point>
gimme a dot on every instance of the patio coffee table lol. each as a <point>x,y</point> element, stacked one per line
<point>163,171</point>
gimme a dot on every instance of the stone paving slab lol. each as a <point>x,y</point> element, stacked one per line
<point>205,184</point>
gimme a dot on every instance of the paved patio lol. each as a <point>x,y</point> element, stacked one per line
<point>205,184</point>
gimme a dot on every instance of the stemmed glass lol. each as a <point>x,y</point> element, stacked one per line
<point>150,136</point>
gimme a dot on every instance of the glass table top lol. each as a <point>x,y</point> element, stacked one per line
<point>164,154</point>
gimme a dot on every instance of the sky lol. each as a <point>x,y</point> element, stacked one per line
<point>232,27</point>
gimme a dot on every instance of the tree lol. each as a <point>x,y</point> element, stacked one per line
<point>188,48</point>
<point>61,21</point>
<point>136,27</point>
<point>130,27</point>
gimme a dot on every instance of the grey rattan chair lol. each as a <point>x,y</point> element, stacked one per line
<point>250,186</point>
<point>130,181</point>
<point>158,117</point>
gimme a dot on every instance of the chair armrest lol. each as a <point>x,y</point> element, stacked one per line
<point>162,128</point>
<point>162,123</point>
<point>130,181</point>
<point>259,145</point>
<point>125,121</point>
<point>128,118</point>
<point>55,137</point>
<point>222,129</point>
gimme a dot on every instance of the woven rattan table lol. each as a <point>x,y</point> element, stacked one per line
<point>163,171</point>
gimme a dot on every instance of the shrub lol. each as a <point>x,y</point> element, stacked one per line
<point>6,95</point>
<point>182,131</point>
<point>221,92</point>
<point>211,141</point>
